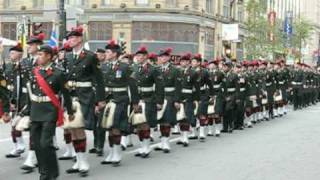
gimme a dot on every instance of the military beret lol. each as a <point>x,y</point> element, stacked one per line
<point>38,39</point>
<point>17,47</point>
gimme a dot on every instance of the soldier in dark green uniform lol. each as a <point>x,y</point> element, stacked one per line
<point>119,82</point>
<point>15,73</point>
<point>231,89</point>
<point>45,111</point>
<point>172,88</point>
<point>189,95</point>
<point>240,110</point>
<point>297,85</point>
<point>99,133</point>
<point>82,74</point>
<point>215,118</point>
<point>205,87</point>
<point>151,93</point>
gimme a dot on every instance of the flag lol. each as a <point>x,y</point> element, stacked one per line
<point>53,42</point>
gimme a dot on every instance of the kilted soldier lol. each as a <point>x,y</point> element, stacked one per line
<point>216,102</point>
<point>151,94</point>
<point>172,88</point>
<point>4,99</point>
<point>16,82</point>
<point>270,89</point>
<point>190,95</point>
<point>99,133</point>
<point>45,109</point>
<point>281,89</point>
<point>285,89</point>
<point>82,74</point>
<point>119,84</point>
<point>205,87</point>
<point>231,89</point>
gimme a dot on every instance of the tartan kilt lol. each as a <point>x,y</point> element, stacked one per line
<point>203,105</point>
<point>120,118</point>
<point>218,109</point>
<point>189,110</point>
<point>151,114</point>
<point>170,113</point>
<point>88,114</point>
<point>285,95</point>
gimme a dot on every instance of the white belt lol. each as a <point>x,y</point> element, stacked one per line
<point>75,84</point>
<point>187,91</point>
<point>231,89</point>
<point>296,83</point>
<point>10,87</point>
<point>24,90</point>
<point>40,99</point>
<point>217,86</point>
<point>281,82</point>
<point>242,89</point>
<point>203,88</point>
<point>268,84</point>
<point>146,89</point>
<point>169,89</point>
<point>107,89</point>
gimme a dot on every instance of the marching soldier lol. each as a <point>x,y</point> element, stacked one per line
<point>45,111</point>
<point>297,85</point>
<point>151,93</point>
<point>205,87</point>
<point>16,78</point>
<point>119,83</point>
<point>215,116</point>
<point>83,73</point>
<point>190,95</point>
<point>172,88</point>
<point>238,124</point>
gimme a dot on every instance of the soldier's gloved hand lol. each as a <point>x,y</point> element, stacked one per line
<point>71,117</point>
<point>177,106</point>
<point>101,104</point>
<point>6,117</point>
<point>97,109</point>
<point>12,107</point>
<point>159,107</point>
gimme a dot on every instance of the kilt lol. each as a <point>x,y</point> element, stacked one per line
<point>189,110</point>
<point>170,113</point>
<point>218,109</point>
<point>151,114</point>
<point>87,108</point>
<point>203,105</point>
<point>120,118</point>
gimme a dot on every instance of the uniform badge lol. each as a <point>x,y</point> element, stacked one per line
<point>118,74</point>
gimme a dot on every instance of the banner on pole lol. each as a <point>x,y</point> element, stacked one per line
<point>230,32</point>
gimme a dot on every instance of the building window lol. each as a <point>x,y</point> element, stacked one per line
<point>7,3</point>
<point>226,8</point>
<point>100,30</point>
<point>37,3</point>
<point>164,31</point>
<point>9,30</point>
<point>209,36</point>
<point>195,4</point>
<point>105,2</point>
<point>142,2</point>
<point>209,6</point>
<point>171,3</point>
<point>240,14</point>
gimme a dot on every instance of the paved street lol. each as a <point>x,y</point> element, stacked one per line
<point>282,149</point>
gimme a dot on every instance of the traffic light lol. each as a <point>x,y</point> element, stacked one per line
<point>36,28</point>
<point>123,46</point>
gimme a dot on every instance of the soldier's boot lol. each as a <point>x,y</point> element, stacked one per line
<point>108,159</point>
<point>285,109</point>
<point>20,145</point>
<point>280,113</point>
<point>83,164</point>
<point>217,128</point>
<point>116,158</point>
<point>202,134</point>
<point>160,146</point>
<point>192,134</point>
<point>75,167</point>
<point>250,119</point>
<point>151,134</point>
<point>185,139</point>
<point>275,112</point>
<point>166,145</point>
<point>176,130</point>
<point>254,118</point>
<point>69,154</point>
<point>265,115</point>
<point>210,130</point>
<point>129,141</point>
<point>123,143</point>
<point>30,162</point>
<point>260,116</point>
<point>146,149</point>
